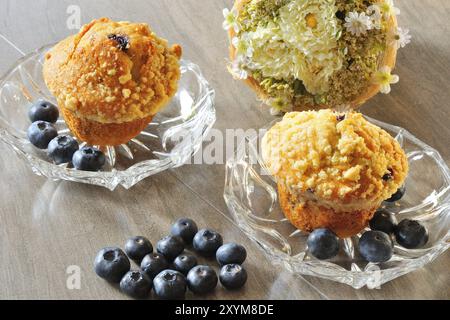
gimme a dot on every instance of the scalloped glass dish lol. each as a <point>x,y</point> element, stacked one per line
<point>251,196</point>
<point>175,134</point>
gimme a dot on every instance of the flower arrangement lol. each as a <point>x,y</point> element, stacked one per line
<point>313,53</point>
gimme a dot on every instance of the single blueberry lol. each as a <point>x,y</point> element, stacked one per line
<point>43,110</point>
<point>375,246</point>
<point>170,285</point>
<point>40,133</point>
<point>136,284</point>
<point>138,247</point>
<point>410,234</point>
<point>384,221</point>
<point>111,264</point>
<point>170,247</point>
<point>62,148</point>
<point>323,244</point>
<point>397,195</point>
<point>185,228</point>
<point>184,263</point>
<point>122,41</point>
<point>233,276</point>
<point>153,264</point>
<point>231,253</point>
<point>202,279</point>
<point>206,242</point>
<point>88,159</point>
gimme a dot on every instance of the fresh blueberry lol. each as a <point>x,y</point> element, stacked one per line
<point>122,41</point>
<point>323,244</point>
<point>136,284</point>
<point>231,253</point>
<point>397,195</point>
<point>410,234</point>
<point>384,221</point>
<point>206,242</point>
<point>233,276</point>
<point>154,263</point>
<point>88,159</point>
<point>170,285</point>
<point>111,264</point>
<point>138,247</point>
<point>170,247</point>
<point>375,246</point>
<point>202,279</point>
<point>40,133</point>
<point>184,263</point>
<point>185,228</point>
<point>43,110</point>
<point>62,148</point>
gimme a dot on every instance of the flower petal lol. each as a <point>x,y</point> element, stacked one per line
<point>386,89</point>
<point>394,79</point>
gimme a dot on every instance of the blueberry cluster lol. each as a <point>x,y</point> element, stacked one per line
<point>377,244</point>
<point>171,270</point>
<point>60,148</point>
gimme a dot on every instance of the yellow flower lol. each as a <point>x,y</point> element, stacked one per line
<point>384,78</point>
<point>281,104</point>
<point>388,9</point>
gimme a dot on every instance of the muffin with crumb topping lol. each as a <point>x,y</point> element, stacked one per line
<point>111,79</point>
<point>313,54</point>
<point>333,170</point>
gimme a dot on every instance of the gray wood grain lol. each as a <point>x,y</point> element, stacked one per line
<point>47,226</point>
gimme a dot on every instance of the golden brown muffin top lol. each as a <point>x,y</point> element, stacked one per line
<point>335,157</point>
<point>113,72</point>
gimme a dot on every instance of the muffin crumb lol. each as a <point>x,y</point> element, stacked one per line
<point>126,93</point>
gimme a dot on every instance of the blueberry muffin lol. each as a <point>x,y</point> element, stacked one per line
<point>111,79</point>
<point>333,170</point>
<point>314,54</point>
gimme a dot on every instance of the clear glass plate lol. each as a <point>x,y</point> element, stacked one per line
<point>251,196</point>
<point>175,134</point>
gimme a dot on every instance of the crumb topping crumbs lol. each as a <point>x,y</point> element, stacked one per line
<point>340,160</point>
<point>337,64</point>
<point>113,72</point>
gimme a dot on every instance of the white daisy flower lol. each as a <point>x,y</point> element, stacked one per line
<point>374,11</point>
<point>243,47</point>
<point>237,71</point>
<point>388,9</point>
<point>384,78</point>
<point>230,20</point>
<point>401,38</point>
<point>358,23</point>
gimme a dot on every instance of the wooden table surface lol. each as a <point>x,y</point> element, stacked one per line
<point>46,226</point>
